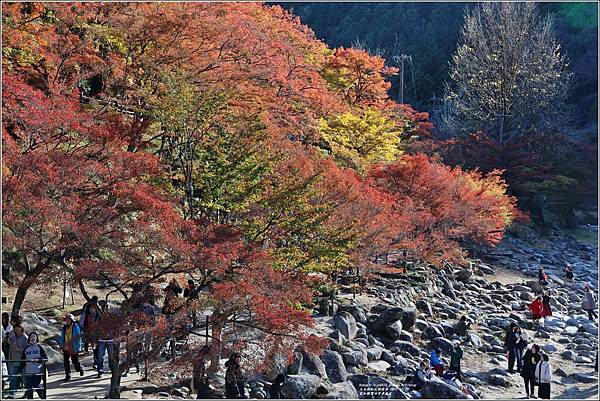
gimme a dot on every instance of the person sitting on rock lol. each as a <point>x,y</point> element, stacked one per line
<point>536,308</point>
<point>569,272</point>
<point>589,302</point>
<point>546,308</point>
<point>542,277</point>
<point>436,363</point>
<point>461,327</point>
<point>422,375</point>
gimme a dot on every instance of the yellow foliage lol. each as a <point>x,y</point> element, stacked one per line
<point>359,139</point>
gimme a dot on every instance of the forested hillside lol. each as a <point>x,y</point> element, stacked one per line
<point>428,32</point>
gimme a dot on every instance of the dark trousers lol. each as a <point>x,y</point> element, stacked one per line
<point>458,372</point>
<point>591,314</point>
<point>511,359</point>
<point>519,356</point>
<point>529,386</point>
<point>32,382</point>
<point>544,391</point>
<point>67,358</point>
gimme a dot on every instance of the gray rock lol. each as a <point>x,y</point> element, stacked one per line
<point>374,352</point>
<point>424,307</point>
<point>535,286</point>
<point>410,348</point>
<point>342,391</point>
<point>441,342</point>
<point>464,275</point>
<point>379,366</point>
<point>437,388</point>
<point>584,377</point>
<point>346,324</point>
<point>367,384</point>
<point>475,340</point>
<point>432,332</point>
<point>560,372</point>
<point>406,336</point>
<point>568,355</point>
<point>499,380</point>
<point>357,312</point>
<point>549,348</point>
<point>300,386</point>
<point>355,358</point>
<point>409,317</point>
<point>334,366</point>
<point>394,329</point>
<point>312,365</point>
<point>526,296</point>
<point>590,328</point>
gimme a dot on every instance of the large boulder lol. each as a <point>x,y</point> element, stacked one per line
<point>386,317</point>
<point>342,391</point>
<point>372,386</point>
<point>584,377</point>
<point>437,388</point>
<point>432,332</point>
<point>409,317</point>
<point>535,286</point>
<point>311,364</point>
<point>499,380</point>
<point>346,324</point>
<point>464,275</point>
<point>405,346</point>
<point>355,357</point>
<point>394,329</point>
<point>334,366</point>
<point>424,307</point>
<point>443,343</point>
<point>357,312</point>
<point>300,386</point>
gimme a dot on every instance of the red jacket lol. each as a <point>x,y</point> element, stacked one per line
<point>536,309</point>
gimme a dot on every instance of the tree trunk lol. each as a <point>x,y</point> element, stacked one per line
<point>215,346</point>
<point>25,284</point>
<point>83,291</point>
<point>115,378</point>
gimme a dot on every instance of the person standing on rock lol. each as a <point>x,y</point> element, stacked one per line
<point>542,277</point>
<point>455,358</point>
<point>234,380</point>
<point>589,302</point>
<point>510,344</point>
<point>436,362</point>
<point>422,375</point>
<point>543,376</point>
<point>530,360</point>
<point>536,309</point>
<point>461,327</point>
<point>522,339</point>
<point>71,344</point>
<point>546,308</point>
<point>568,272</point>
<point>32,357</point>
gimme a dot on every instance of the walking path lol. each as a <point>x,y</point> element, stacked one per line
<point>86,387</point>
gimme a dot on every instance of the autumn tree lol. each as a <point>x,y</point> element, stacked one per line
<point>508,76</point>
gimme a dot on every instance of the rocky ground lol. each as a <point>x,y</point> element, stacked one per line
<point>377,338</point>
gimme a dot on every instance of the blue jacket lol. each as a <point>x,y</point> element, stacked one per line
<point>76,343</point>
<point>435,360</point>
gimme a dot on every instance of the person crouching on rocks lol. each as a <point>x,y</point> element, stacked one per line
<point>422,375</point>
<point>530,360</point>
<point>536,309</point>
<point>543,376</point>
<point>436,363</point>
<point>461,327</point>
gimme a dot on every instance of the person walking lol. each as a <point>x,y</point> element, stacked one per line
<point>589,302</point>
<point>71,343</point>
<point>105,343</point>
<point>6,329</point>
<point>17,341</point>
<point>510,344</point>
<point>234,380</point>
<point>530,360</point>
<point>32,366</point>
<point>461,328</point>
<point>436,363</point>
<point>536,308</point>
<point>88,312</point>
<point>522,339</point>
<point>543,376</point>
<point>455,358</point>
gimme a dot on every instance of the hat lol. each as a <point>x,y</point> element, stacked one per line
<point>70,316</point>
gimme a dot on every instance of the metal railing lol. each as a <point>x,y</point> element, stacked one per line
<point>8,392</point>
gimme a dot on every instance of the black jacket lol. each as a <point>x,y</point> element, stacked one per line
<point>530,360</point>
<point>511,339</point>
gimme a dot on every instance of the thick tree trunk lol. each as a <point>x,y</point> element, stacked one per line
<point>83,290</point>
<point>217,320</point>
<point>115,377</point>
<point>27,282</point>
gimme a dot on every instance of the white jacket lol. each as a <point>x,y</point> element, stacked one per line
<point>543,372</point>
